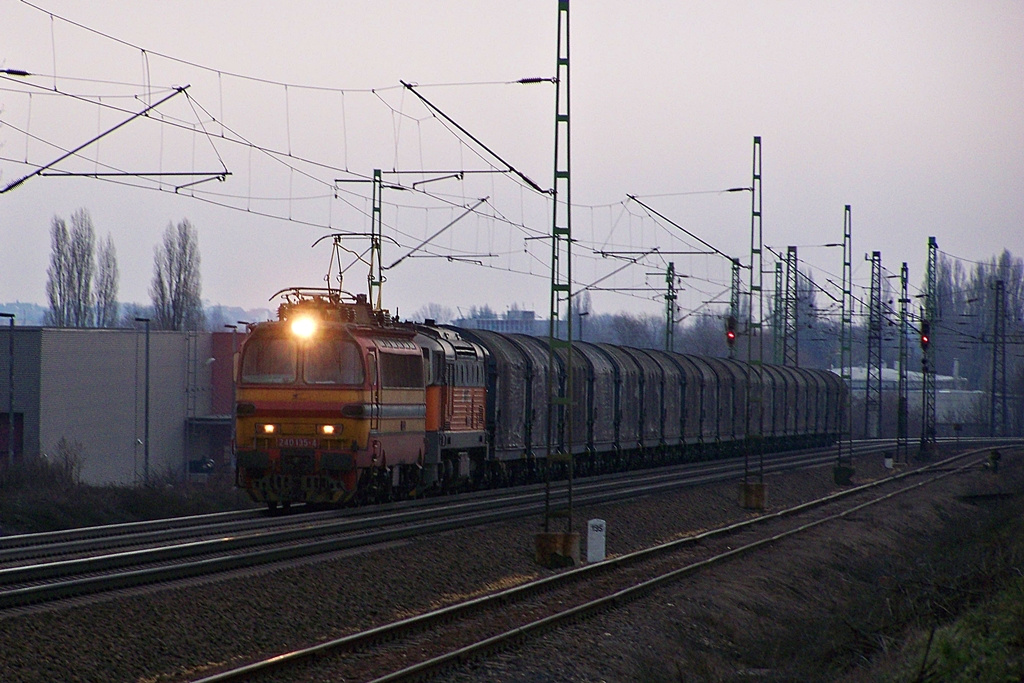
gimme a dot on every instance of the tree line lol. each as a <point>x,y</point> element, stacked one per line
<point>83,278</point>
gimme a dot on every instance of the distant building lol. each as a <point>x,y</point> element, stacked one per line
<point>88,386</point>
<point>513,322</point>
<point>891,380</point>
<point>954,403</point>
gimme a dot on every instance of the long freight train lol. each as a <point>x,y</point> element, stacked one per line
<point>338,402</point>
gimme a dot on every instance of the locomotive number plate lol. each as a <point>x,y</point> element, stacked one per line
<point>297,442</point>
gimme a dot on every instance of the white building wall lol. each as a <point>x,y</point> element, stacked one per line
<point>93,392</point>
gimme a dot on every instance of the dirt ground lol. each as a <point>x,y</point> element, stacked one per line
<point>852,601</point>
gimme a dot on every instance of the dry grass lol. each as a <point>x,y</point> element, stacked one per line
<point>45,495</point>
<point>859,606</point>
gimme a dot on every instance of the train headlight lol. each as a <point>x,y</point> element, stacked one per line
<point>267,429</point>
<point>304,327</point>
<point>328,430</point>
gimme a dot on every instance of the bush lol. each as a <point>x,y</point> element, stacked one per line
<point>46,494</point>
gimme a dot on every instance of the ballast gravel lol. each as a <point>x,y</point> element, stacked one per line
<point>186,632</point>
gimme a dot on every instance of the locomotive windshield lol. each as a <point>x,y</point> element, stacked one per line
<point>269,360</point>
<point>333,361</point>
<point>275,360</point>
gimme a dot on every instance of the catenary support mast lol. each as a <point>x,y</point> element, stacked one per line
<point>559,389</point>
<point>790,311</point>
<point>873,369</point>
<point>929,316</point>
<point>755,329</point>
<point>998,418</point>
<point>846,342</point>
<point>903,404</point>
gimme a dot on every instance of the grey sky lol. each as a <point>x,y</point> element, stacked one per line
<point>912,112</point>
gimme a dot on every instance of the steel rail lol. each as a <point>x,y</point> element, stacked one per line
<point>131,571</point>
<point>92,540</point>
<point>418,623</point>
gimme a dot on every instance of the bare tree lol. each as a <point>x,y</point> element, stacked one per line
<point>106,284</point>
<point>176,286</point>
<point>437,312</point>
<point>58,285</point>
<point>131,311</point>
<point>81,267</point>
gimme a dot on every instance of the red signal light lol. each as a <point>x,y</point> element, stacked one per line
<point>730,331</point>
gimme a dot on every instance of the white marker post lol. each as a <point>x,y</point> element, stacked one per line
<point>595,540</point>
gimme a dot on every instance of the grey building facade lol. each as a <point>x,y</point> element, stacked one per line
<point>88,387</point>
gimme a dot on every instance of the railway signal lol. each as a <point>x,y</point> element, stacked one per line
<point>730,331</point>
<point>926,331</point>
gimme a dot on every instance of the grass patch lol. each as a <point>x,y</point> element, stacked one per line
<point>985,644</point>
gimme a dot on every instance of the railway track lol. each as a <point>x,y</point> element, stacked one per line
<point>102,559</point>
<point>430,643</point>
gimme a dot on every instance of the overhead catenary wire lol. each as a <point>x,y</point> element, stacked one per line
<point>292,159</point>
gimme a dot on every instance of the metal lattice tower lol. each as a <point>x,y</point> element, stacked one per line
<point>670,307</point>
<point>873,369</point>
<point>928,316</point>
<point>903,404</point>
<point>777,311</point>
<point>790,323</point>
<point>998,418</point>
<point>560,394</point>
<point>846,340</point>
<point>734,298</point>
<point>376,274</point>
<point>755,313</point>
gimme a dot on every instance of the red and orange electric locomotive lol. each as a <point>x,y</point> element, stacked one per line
<point>338,402</point>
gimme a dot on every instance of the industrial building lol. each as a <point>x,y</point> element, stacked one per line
<point>88,387</point>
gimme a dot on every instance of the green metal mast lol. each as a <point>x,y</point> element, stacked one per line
<point>791,312</point>
<point>670,307</point>
<point>376,274</point>
<point>928,317</point>
<point>560,393</point>
<point>777,320</point>
<point>755,317</point>
<point>873,368</point>
<point>846,342</point>
<point>734,303</point>
<point>903,407</point>
<point>998,418</point>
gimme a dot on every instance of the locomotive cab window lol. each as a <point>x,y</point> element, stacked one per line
<point>269,361</point>
<point>401,370</point>
<point>333,361</point>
